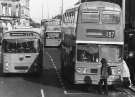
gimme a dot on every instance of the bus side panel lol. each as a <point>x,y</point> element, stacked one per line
<point>68,58</point>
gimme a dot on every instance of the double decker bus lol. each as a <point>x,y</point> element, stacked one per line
<point>22,51</point>
<point>51,32</point>
<point>91,31</point>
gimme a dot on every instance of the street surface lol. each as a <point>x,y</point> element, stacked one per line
<point>50,83</point>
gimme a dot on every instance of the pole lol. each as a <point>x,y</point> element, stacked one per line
<point>123,11</point>
<point>42,10</point>
<point>61,11</point>
<point>47,10</point>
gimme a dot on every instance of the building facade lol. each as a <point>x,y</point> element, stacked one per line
<point>24,12</point>
<point>14,12</point>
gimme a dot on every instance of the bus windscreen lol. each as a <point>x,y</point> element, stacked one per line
<point>110,17</point>
<point>20,45</point>
<point>52,35</point>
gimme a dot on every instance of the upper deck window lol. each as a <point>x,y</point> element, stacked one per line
<point>110,17</point>
<point>90,17</point>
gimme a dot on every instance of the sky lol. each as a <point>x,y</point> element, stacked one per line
<point>48,8</point>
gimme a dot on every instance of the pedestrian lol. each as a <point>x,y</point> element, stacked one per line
<point>105,72</point>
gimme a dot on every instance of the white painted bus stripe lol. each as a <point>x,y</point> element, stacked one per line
<point>74,93</point>
<point>99,42</point>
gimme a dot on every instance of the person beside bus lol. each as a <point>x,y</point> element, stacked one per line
<point>104,75</point>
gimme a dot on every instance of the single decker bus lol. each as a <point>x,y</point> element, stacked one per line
<point>22,51</point>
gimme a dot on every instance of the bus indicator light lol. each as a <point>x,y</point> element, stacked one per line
<point>6,66</point>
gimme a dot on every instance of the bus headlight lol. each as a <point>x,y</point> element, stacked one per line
<point>6,66</point>
<point>81,70</point>
<point>119,71</point>
<point>131,54</point>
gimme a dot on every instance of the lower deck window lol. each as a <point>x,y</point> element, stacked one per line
<point>94,52</point>
<point>87,52</point>
<point>113,53</point>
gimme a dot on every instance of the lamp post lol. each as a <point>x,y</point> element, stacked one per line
<point>42,9</point>
<point>61,11</point>
<point>123,7</point>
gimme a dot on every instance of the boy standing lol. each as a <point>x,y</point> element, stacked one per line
<point>104,75</point>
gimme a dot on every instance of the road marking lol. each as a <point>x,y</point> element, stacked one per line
<point>129,94</point>
<point>42,93</point>
<point>74,93</point>
<point>126,92</point>
<point>60,79</point>
<point>57,72</point>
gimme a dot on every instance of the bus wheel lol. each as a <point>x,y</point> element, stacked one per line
<point>126,82</point>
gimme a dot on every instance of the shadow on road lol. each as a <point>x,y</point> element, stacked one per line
<point>48,77</point>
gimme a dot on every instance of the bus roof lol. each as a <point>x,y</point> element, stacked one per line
<point>71,9</point>
<point>119,2</point>
<point>22,33</point>
<point>100,4</point>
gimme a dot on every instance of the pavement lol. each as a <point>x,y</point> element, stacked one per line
<point>132,88</point>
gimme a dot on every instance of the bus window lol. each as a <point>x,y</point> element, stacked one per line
<point>111,53</point>
<point>53,35</point>
<point>110,17</point>
<point>90,17</point>
<point>87,52</point>
<point>37,44</point>
<point>19,46</point>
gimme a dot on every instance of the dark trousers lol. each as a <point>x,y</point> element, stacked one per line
<point>103,82</point>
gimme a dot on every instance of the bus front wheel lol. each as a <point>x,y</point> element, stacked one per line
<point>126,82</point>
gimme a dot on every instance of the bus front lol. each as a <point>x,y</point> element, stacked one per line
<point>99,35</point>
<point>20,51</point>
<point>53,38</point>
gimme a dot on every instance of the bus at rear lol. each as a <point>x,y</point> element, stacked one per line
<point>21,51</point>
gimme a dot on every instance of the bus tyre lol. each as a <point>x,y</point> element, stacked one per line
<point>126,82</point>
